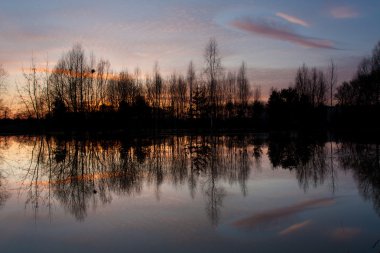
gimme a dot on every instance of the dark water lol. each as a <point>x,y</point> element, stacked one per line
<point>188,194</point>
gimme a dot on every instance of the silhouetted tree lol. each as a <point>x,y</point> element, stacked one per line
<point>230,95</point>
<point>364,88</point>
<point>3,76</point>
<point>80,83</point>
<point>100,87</point>
<point>345,94</point>
<point>376,69</point>
<point>31,93</point>
<point>58,108</point>
<point>310,84</point>
<point>283,106</point>
<point>173,95</point>
<point>212,70</point>
<point>68,78</point>
<point>333,78</point>
<point>200,103</point>
<point>156,89</point>
<point>243,90</point>
<point>191,81</point>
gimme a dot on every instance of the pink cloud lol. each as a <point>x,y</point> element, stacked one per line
<point>292,19</point>
<point>271,30</point>
<point>343,12</point>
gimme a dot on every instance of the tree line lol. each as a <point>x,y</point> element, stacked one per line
<point>364,88</point>
<point>81,87</point>
<point>315,100</point>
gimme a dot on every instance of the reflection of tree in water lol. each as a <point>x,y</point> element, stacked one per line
<point>313,163</point>
<point>307,159</point>
<point>258,144</point>
<point>80,174</point>
<point>364,161</point>
<point>83,174</point>
<point>219,158</point>
<point>4,194</point>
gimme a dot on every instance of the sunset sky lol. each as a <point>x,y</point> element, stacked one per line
<point>272,37</point>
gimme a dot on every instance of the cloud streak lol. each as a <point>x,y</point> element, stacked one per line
<point>292,19</point>
<point>295,227</point>
<point>271,30</point>
<point>343,12</point>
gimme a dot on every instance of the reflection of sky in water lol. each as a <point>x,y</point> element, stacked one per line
<point>173,217</point>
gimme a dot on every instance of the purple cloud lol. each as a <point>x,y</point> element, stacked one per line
<point>271,30</point>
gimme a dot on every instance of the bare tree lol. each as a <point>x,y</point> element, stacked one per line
<point>321,89</point>
<point>191,79</point>
<point>243,89</point>
<point>138,82</point>
<point>257,94</point>
<point>344,94</point>
<point>230,88</point>
<point>113,93</point>
<point>3,75</point>
<point>375,67</point>
<point>158,83</point>
<point>212,70</point>
<point>31,93</point>
<point>47,88</point>
<point>302,80</point>
<point>182,90</point>
<point>310,85</point>
<point>78,82</point>
<point>149,90</point>
<point>230,94</point>
<point>102,78</point>
<point>70,77</point>
<point>333,78</point>
<point>173,94</point>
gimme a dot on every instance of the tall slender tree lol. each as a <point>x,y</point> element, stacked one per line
<point>243,90</point>
<point>191,79</point>
<point>3,75</point>
<point>212,70</point>
<point>375,67</point>
<point>333,79</point>
<point>31,92</point>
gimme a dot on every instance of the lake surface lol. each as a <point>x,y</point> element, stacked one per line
<point>246,193</point>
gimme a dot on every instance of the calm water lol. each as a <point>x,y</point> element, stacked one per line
<point>188,194</point>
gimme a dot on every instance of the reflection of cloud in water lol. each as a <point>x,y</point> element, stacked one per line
<point>295,227</point>
<point>275,214</point>
<point>345,233</point>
